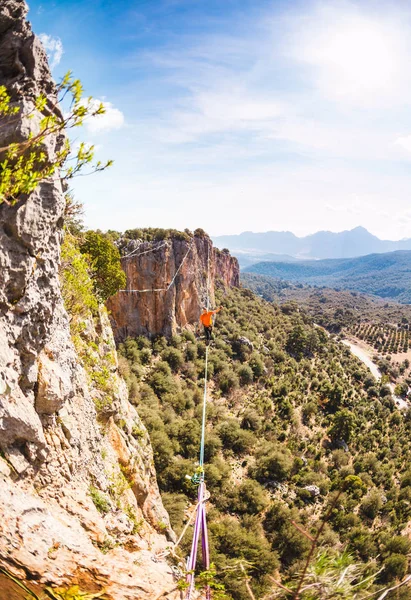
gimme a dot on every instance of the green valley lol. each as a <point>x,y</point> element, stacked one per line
<point>386,275</point>
<point>296,425</point>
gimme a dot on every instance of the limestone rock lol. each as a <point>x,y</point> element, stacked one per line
<point>18,419</point>
<point>58,457</point>
<point>54,386</point>
<point>30,236</point>
<point>245,342</point>
<point>162,309</point>
<point>313,489</point>
<point>55,549</point>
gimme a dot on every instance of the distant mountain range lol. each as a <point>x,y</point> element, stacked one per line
<point>252,247</point>
<point>387,275</point>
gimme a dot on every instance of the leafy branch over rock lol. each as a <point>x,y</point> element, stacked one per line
<point>26,163</point>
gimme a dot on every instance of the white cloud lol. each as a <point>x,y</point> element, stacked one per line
<point>253,197</point>
<point>333,50</point>
<point>404,217</point>
<point>343,208</point>
<point>356,57</point>
<point>53,47</point>
<point>217,111</point>
<point>404,142</point>
<point>112,118</point>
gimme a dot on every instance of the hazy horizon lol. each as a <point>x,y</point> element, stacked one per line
<point>308,234</point>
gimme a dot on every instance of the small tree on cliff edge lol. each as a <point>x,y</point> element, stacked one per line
<point>108,276</point>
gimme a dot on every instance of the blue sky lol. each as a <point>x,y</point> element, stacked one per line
<point>236,115</point>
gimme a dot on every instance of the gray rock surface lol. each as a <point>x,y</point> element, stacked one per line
<point>57,456</point>
<point>313,489</point>
<point>31,310</point>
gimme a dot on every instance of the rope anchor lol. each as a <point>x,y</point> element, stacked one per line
<point>197,477</point>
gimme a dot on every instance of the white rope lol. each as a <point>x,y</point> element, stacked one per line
<point>203,423</point>
<point>132,253</point>
<point>172,281</point>
<point>147,290</point>
<point>181,264</point>
<point>206,368</point>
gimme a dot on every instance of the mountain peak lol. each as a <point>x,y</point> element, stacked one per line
<point>362,230</point>
<point>322,244</point>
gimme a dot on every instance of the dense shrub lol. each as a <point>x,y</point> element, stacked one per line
<point>174,358</point>
<point>395,567</point>
<point>175,505</point>
<point>235,438</point>
<point>361,541</point>
<point>212,446</point>
<point>250,498</point>
<point>108,276</point>
<point>301,341</point>
<point>229,540</point>
<point>257,365</point>
<point>251,420</point>
<point>77,284</point>
<point>371,504</point>
<point>227,381</point>
<point>163,449</point>
<point>159,344</point>
<point>189,336</point>
<point>343,425</point>
<point>191,352</point>
<point>161,380</point>
<point>287,540</point>
<point>245,374</point>
<point>273,464</point>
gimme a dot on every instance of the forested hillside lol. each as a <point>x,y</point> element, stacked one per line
<point>333,309</point>
<point>297,428</point>
<point>386,275</point>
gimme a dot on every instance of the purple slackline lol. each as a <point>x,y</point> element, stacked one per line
<point>200,526</point>
<point>206,550</point>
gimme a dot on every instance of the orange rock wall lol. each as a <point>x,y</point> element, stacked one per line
<point>152,268</point>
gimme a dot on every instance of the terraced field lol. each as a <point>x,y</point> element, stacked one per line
<point>384,338</point>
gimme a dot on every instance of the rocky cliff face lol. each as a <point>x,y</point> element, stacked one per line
<point>71,485</point>
<point>150,305</point>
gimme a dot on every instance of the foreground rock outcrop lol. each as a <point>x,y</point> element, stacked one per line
<point>79,502</point>
<point>193,266</point>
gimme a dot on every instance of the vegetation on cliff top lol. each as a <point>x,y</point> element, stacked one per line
<point>293,419</point>
<point>156,234</point>
<point>150,234</point>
